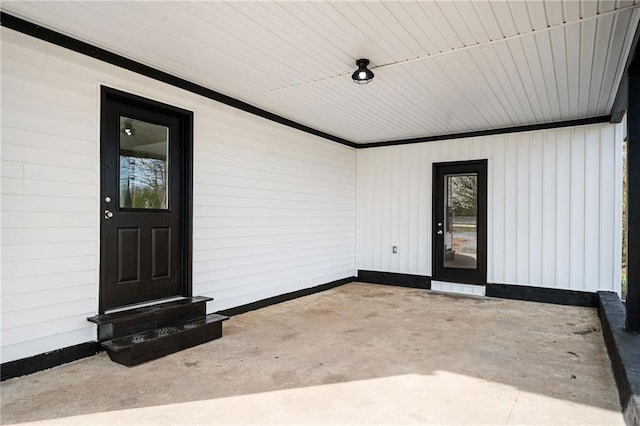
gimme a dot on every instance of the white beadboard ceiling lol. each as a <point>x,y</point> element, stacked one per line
<point>441,67</point>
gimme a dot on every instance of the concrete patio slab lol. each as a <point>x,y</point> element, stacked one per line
<point>358,353</point>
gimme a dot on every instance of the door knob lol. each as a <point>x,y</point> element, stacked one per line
<point>439,232</point>
<point>108,214</point>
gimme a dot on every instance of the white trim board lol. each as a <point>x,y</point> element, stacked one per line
<point>470,289</point>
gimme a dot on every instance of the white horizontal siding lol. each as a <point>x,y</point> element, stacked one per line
<point>554,209</point>
<point>274,208</point>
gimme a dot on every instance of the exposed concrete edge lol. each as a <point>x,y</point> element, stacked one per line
<point>624,353</point>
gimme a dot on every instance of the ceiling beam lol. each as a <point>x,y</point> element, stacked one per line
<point>633,200</point>
<point>621,102</point>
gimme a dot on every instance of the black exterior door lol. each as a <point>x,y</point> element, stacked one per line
<point>144,204</point>
<point>460,222</point>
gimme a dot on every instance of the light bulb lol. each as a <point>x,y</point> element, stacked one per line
<point>362,75</point>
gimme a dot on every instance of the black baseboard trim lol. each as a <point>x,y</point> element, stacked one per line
<point>21,367</point>
<point>284,297</point>
<point>393,278</point>
<point>624,353</point>
<point>544,295</point>
<point>503,291</point>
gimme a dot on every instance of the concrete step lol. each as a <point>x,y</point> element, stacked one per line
<point>158,342</point>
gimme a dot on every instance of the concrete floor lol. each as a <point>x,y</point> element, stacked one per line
<point>359,353</point>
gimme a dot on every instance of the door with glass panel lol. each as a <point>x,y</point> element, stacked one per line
<point>459,222</point>
<point>142,215</point>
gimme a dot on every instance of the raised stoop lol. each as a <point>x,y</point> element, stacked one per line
<point>142,334</point>
<point>156,343</point>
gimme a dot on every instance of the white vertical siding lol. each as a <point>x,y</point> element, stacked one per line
<point>554,213</point>
<point>274,208</point>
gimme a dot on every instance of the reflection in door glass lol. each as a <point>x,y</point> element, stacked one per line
<point>143,164</point>
<point>460,223</point>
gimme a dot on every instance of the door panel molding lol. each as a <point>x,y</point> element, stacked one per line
<point>441,272</point>
<point>181,201</point>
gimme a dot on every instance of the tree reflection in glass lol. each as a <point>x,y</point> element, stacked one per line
<point>461,209</point>
<point>143,164</point>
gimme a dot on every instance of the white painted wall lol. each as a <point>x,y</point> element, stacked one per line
<point>274,208</point>
<point>554,206</point>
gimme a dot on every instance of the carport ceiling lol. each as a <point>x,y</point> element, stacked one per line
<point>441,67</point>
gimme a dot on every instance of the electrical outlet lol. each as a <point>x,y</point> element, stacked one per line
<point>394,249</point>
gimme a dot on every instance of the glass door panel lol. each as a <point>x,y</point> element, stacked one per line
<point>460,221</point>
<point>144,156</point>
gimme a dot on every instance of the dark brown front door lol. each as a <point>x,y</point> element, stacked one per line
<point>460,222</point>
<point>143,202</point>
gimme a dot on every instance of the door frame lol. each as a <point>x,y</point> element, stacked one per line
<point>186,123</point>
<point>438,270</point>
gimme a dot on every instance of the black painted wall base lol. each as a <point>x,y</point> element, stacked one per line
<point>624,353</point>
<point>503,291</point>
<point>48,360</point>
<point>392,278</point>
<point>283,297</point>
<point>544,295</point>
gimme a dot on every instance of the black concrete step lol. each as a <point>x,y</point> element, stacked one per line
<point>156,343</point>
<point>132,321</point>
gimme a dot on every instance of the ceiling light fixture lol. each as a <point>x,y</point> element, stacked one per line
<point>128,129</point>
<point>362,75</point>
